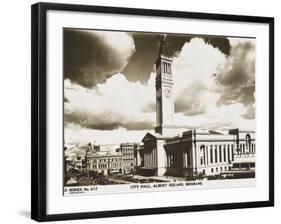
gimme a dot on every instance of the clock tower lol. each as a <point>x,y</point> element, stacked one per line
<point>164,92</point>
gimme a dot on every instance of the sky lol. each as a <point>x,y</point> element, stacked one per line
<point>109,84</point>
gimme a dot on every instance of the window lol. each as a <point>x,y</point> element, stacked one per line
<point>217,169</point>
<point>212,170</point>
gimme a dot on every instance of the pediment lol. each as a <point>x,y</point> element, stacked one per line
<point>148,137</point>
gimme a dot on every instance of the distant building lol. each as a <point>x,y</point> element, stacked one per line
<point>104,162</point>
<point>80,162</point>
<point>68,163</point>
<point>127,150</point>
<point>96,148</point>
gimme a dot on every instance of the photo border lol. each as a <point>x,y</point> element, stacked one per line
<point>39,110</point>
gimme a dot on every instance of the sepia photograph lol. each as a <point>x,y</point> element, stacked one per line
<point>148,111</point>
<point>139,111</point>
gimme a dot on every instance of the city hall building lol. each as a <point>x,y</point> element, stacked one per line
<point>192,153</point>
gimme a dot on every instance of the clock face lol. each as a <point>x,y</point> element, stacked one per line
<point>167,92</point>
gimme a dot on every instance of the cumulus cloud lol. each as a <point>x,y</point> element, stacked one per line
<point>193,72</point>
<point>90,57</point>
<point>212,89</point>
<point>142,62</point>
<point>235,79</point>
<point>114,104</point>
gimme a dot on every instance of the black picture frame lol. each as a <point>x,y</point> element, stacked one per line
<point>39,108</point>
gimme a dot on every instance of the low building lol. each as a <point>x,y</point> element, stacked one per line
<point>128,158</point>
<point>105,162</point>
<point>80,162</point>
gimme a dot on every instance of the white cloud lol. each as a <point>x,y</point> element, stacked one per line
<point>118,110</point>
<point>193,71</point>
<point>117,103</point>
<point>77,134</point>
<point>91,57</point>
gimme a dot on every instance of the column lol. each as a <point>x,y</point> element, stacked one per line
<point>173,157</point>
<point>197,154</point>
<point>184,158</point>
<point>176,157</point>
<point>145,159</point>
<point>223,153</point>
<point>215,154</point>
<point>187,157</point>
<point>193,156</point>
<point>205,154</point>
<point>155,159</point>
<point>179,157</point>
<point>167,154</point>
<point>226,152</point>
<point>154,152</point>
<point>209,154</point>
<point>152,157</point>
<point>169,158</point>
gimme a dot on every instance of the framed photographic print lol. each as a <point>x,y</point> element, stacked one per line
<point>138,111</point>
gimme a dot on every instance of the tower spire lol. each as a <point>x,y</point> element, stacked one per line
<point>162,48</point>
